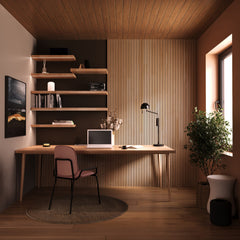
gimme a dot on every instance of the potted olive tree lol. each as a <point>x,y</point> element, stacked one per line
<point>209,138</point>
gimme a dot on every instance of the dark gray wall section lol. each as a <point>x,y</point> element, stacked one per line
<point>95,52</point>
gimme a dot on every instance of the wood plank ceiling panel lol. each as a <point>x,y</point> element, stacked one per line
<point>108,19</point>
<point>194,17</point>
<point>184,15</point>
<point>125,18</point>
<point>99,17</point>
<point>156,17</point>
<point>119,16</point>
<point>172,20</point>
<point>165,15</point>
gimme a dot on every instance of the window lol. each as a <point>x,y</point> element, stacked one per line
<point>225,85</point>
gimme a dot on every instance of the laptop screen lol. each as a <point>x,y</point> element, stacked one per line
<point>99,138</point>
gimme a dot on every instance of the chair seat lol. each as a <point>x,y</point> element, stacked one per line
<point>70,176</point>
<point>85,173</point>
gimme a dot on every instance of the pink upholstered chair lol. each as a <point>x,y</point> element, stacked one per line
<point>66,167</point>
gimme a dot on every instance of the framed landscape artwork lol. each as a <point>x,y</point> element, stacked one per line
<point>15,107</point>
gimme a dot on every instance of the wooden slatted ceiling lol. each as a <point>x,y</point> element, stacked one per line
<point>106,19</point>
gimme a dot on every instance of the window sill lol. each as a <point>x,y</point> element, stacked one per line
<point>229,154</point>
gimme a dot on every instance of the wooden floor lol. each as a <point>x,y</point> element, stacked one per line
<point>149,216</point>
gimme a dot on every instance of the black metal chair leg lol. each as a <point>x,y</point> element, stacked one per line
<point>99,200</point>
<point>72,187</point>
<point>50,203</point>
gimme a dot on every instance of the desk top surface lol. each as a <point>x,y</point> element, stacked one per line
<point>116,149</point>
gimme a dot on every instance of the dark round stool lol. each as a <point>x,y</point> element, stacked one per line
<point>220,212</point>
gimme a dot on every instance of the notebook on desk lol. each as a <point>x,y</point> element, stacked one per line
<point>99,138</point>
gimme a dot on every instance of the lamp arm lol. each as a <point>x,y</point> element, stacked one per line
<point>151,112</point>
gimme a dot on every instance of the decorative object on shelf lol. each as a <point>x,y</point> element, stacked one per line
<point>51,86</point>
<point>44,68</point>
<point>97,86</point>
<point>209,138</point>
<point>81,66</point>
<point>146,106</point>
<point>15,107</point>
<point>111,122</point>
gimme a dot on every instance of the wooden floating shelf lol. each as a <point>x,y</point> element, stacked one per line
<point>54,58</point>
<point>74,109</point>
<point>53,75</point>
<point>72,92</point>
<point>89,70</point>
<point>53,126</point>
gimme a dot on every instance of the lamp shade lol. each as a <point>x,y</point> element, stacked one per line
<point>145,106</point>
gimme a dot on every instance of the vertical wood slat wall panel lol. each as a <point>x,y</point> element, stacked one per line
<point>162,73</point>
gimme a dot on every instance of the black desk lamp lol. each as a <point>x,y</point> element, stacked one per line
<point>146,106</point>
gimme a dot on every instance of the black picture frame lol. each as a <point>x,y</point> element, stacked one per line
<point>15,107</point>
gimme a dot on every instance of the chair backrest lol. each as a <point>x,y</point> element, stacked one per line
<point>64,168</point>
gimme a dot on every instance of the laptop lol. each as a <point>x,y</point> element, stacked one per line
<point>99,138</point>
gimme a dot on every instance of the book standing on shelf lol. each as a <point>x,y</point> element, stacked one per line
<point>36,101</point>
<point>59,101</point>
<point>39,101</point>
<point>50,101</point>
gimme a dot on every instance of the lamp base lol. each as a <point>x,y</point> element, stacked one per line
<point>158,144</point>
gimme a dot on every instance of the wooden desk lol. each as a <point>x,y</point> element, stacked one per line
<point>82,149</point>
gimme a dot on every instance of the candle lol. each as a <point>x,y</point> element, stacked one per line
<point>51,86</point>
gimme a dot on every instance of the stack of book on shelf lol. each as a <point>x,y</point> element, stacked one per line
<point>63,122</point>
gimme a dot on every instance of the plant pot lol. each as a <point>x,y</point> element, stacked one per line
<point>202,196</point>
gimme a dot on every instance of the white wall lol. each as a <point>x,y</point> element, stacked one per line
<point>16,47</point>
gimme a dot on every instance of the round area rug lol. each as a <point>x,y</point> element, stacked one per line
<point>85,209</point>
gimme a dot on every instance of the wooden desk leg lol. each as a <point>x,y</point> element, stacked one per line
<point>22,176</point>
<point>39,171</point>
<point>168,175</point>
<point>160,171</point>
